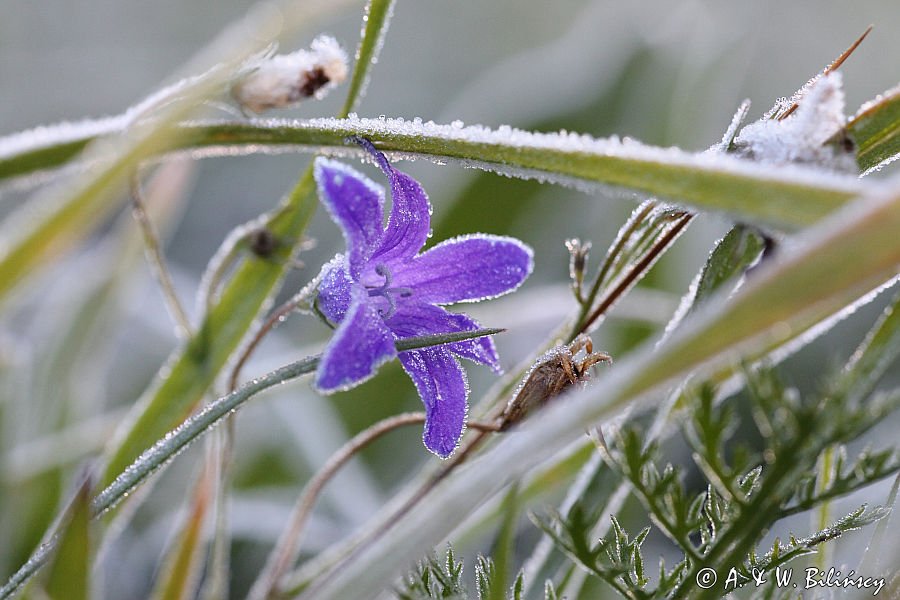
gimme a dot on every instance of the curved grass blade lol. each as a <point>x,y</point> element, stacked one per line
<point>786,197</point>
<point>57,218</point>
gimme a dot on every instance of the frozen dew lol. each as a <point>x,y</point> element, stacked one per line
<point>736,121</point>
<point>60,133</point>
<point>877,101</point>
<point>802,137</point>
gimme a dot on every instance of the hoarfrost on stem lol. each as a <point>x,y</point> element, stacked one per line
<point>383,289</point>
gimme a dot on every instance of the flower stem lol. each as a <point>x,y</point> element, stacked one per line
<point>609,260</point>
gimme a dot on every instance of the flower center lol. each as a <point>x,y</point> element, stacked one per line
<point>387,292</point>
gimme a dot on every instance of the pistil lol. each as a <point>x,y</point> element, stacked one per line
<point>385,290</point>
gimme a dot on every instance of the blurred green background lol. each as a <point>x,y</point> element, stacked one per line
<point>80,342</point>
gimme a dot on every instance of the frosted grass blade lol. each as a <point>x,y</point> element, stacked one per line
<point>876,131</point>
<point>68,575</point>
<point>787,197</point>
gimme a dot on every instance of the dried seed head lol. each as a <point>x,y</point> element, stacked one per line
<point>555,372</point>
<point>578,257</point>
<point>286,79</point>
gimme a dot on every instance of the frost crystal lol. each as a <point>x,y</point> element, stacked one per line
<point>802,137</point>
<point>285,79</point>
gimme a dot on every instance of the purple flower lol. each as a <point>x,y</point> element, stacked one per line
<point>383,290</point>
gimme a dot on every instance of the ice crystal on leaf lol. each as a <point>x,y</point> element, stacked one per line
<point>382,290</point>
<point>802,137</point>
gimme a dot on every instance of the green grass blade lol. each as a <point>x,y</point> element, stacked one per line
<point>876,131</point>
<point>193,369</point>
<point>68,575</point>
<point>56,219</point>
<point>816,281</point>
<point>786,197</point>
<point>504,550</point>
<point>27,153</point>
<point>877,352</point>
<point>830,269</point>
<point>171,443</point>
<point>733,255</point>
<point>375,26</point>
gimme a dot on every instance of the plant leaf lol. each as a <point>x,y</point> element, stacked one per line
<point>787,197</point>
<point>68,575</point>
<point>59,217</point>
<point>874,356</point>
<point>503,554</point>
<point>876,131</point>
<point>172,443</point>
<point>737,251</point>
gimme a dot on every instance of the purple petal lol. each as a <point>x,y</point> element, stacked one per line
<point>441,383</point>
<point>356,204</point>
<point>413,319</point>
<point>333,299</point>
<point>360,344</point>
<point>467,268</point>
<point>410,219</point>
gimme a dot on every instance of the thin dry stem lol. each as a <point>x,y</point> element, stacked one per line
<point>153,251</point>
<point>286,550</point>
<point>831,68</point>
<point>221,457</point>
<point>277,316</point>
<point>636,271</point>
